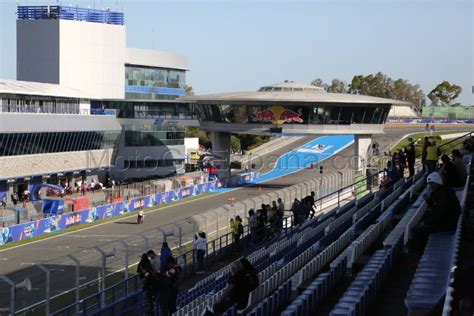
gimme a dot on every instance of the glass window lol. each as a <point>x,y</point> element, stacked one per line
<point>369,114</point>
<point>358,116</point>
<point>345,117</point>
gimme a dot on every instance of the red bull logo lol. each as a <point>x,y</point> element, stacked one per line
<point>277,114</point>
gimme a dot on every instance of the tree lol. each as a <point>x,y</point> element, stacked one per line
<point>234,142</point>
<point>338,86</point>
<point>188,91</point>
<point>444,93</point>
<point>204,137</point>
<point>380,85</point>
<point>319,83</point>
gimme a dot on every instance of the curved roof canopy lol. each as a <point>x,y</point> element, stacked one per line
<point>292,92</point>
<point>38,88</point>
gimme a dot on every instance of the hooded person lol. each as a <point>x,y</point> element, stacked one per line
<point>442,213</point>
<point>443,205</point>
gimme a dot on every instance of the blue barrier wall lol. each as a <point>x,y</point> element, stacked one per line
<point>56,223</point>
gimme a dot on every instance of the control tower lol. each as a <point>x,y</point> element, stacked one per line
<point>75,47</point>
<point>291,109</point>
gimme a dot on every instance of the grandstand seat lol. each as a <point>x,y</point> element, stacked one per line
<point>435,270</point>
<point>365,286</point>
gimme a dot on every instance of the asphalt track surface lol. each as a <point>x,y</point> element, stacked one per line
<point>17,263</point>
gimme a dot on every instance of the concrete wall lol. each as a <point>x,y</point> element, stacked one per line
<point>33,122</point>
<point>93,58</point>
<point>154,58</point>
<point>83,55</point>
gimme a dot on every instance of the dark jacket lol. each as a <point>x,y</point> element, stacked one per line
<point>164,256</point>
<point>444,210</point>
<point>450,175</point>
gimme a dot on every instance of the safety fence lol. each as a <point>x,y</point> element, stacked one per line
<point>57,223</point>
<point>73,278</point>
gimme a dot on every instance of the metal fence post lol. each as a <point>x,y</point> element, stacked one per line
<point>78,278</point>
<point>125,245</point>
<point>180,235</point>
<point>217,222</point>
<point>12,293</point>
<point>47,286</point>
<point>104,256</point>
<point>145,239</point>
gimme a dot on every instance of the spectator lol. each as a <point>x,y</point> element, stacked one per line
<point>280,212</point>
<point>443,211</point>
<point>426,143</point>
<point>294,210</point>
<point>244,280</point>
<point>410,155</point>
<point>165,254</point>
<point>303,212</point>
<point>174,273</point>
<point>264,212</point>
<point>153,259</point>
<point>467,147</point>
<point>200,247</point>
<point>239,231</point>
<point>147,273</point>
<point>402,161</point>
<point>432,154</point>
<point>261,219</point>
<point>310,201</point>
<point>14,199</point>
<point>459,164</point>
<point>449,172</point>
<point>253,224</point>
<point>233,229</point>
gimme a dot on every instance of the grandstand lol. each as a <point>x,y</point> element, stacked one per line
<point>338,263</point>
<point>402,112</point>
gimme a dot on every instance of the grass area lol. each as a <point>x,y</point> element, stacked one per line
<point>82,226</point>
<point>419,138</point>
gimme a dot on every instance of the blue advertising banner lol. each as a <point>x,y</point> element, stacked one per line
<point>58,222</point>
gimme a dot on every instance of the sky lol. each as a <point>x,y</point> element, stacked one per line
<point>241,45</point>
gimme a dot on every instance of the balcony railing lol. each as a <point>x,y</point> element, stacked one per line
<point>70,13</point>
